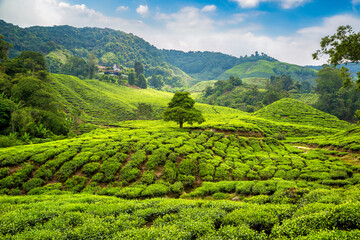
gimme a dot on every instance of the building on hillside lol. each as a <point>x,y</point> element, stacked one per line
<point>101,68</point>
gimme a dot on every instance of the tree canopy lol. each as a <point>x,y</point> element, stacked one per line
<point>342,47</point>
<point>181,110</point>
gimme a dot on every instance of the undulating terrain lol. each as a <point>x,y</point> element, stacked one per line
<point>115,169</point>
<point>292,172</point>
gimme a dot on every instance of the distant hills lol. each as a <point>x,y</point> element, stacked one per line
<point>294,111</point>
<point>266,69</point>
<point>110,47</point>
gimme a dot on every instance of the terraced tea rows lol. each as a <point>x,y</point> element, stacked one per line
<point>321,215</point>
<point>147,163</point>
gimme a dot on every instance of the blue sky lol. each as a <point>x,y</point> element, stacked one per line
<point>289,30</point>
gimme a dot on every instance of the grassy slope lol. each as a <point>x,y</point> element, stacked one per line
<point>228,156</point>
<point>294,111</point>
<point>101,217</point>
<point>265,69</point>
<point>103,102</point>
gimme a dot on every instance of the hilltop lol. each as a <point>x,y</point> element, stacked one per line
<point>294,111</point>
<point>58,43</point>
<point>130,179</point>
<point>266,69</point>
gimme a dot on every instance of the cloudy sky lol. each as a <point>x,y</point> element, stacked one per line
<point>289,30</point>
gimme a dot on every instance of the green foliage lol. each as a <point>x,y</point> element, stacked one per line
<point>75,184</point>
<point>181,110</point>
<point>148,177</point>
<point>290,110</point>
<point>267,68</point>
<point>206,66</point>
<point>141,82</point>
<point>333,98</point>
<point>33,183</point>
<point>90,168</point>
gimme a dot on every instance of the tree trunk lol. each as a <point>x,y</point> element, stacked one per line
<point>181,124</point>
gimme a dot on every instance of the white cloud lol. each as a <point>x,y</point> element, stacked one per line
<point>143,10</point>
<point>355,2</point>
<point>122,8</point>
<point>55,12</point>
<point>286,4</point>
<point>209,8</point>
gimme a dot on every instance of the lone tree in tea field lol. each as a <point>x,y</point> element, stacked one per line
<point>181,109</point>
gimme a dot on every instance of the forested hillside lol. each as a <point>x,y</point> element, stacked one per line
<point>64,46</point>
<point>107,44</point>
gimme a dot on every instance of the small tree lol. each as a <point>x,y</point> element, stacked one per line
<point>4,48</point>
<point>139,68</point>
<point>131,78</point>
<point>142,83</point>
<point>181,109</point>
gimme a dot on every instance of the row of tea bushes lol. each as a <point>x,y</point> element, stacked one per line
<point>98,217</point>
<point>118,158</point>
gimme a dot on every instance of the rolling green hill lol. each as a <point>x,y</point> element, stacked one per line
<point>287,171</point>
<point>294,111</point>
<point>126,48</point>
<point>265,69</point>
<point>116,47</point>
<point>100,185</point>
<point>108,103</point>
<point>101,102</point>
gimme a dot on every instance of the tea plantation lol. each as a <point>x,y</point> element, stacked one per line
<point>287,171</point>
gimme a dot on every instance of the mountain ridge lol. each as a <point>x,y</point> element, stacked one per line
<point>117,47</point>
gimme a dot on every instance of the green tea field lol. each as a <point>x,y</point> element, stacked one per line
<point>287,171</point>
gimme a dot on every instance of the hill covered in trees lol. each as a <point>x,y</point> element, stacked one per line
<point>64,46</point>
<point>96,160</point>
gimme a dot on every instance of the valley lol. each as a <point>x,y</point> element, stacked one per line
<point>272,151</point>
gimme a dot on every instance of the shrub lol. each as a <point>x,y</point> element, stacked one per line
<point>109,168</point>
<point>155,190</point>
<point>206,169</point>
<point>259,217</point>
<point>54,188</point>
<point>336,182</point>
<point>44,156</point>
<point>169,172</point>
<point>148,177</point>
<point>173,157</point>
<point>33,183</point>
<point>244,187</point>
<point>129,174</point>
<point>252,175</point>
<point>219,195</point>
<point>187,167</point>
<point>43,173</point>
<point>90,168</point>
<point>222,172</point>
<point>238,232</point>
<point>188,181</point>
<point>133,191</point>
<point>267,172</point>
<point>264,187</point>
<point>177,188</point>
<point>75,184</point>
<point>70,167</point>
<point>97,177</point>
<point>259,199</point>
<point>4,172</point>
<point>137,158</point>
